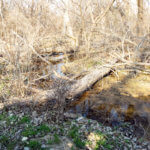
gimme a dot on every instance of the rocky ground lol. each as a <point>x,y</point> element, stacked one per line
<point>33,131</point>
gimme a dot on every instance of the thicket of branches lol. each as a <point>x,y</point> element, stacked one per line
<point>28,29</point>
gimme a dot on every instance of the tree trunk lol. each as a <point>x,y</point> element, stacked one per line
<point>2,9</point>
<point>67,29</point>
<point>140,17</point>
<point>32,8</point>
<point>87,81</point>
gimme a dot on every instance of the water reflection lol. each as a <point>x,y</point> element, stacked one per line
<point>57,67</point>
<point>113,114</point>
<point>113,102</point>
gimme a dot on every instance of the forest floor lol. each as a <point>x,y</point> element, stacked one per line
<point>22,127</point>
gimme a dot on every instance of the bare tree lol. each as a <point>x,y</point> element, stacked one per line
<point>32,7</point>
<point>140,17</point>
<point>67,26</point>
<point>2,8</point>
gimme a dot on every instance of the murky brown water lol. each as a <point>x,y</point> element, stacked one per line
<point>117,99</point>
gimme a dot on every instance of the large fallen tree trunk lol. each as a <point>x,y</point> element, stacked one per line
<point>88,81</point>
<point>79,86</point>
<point>64,89</point>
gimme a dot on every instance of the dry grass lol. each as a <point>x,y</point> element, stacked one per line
<point>29,30</point>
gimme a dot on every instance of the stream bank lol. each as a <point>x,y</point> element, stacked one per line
<point>119,97</point>
<point>112,105</point>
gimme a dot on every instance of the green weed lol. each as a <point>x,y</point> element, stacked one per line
<point>4,140</point>
<point>7,142</point>
<point>2,117</point>
<point>29,131</point>
<point>74,134</point>
<point>43,128</point>
<point>56,139</point>
<point>50,141</point>
<point>11,145</point>
<point>78,142</point>
<point>25,119</point>
<point>11,119</point>
<point>35,145</point>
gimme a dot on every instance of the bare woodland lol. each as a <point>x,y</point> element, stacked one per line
<point>115,33</point>
<point>74,70</point>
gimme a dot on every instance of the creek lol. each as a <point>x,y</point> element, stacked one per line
<point>116,99</point>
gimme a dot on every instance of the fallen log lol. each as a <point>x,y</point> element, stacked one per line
<point>79,86</point>
<point>66,89</point>
<point>86,82</point>
<point>89,80</point>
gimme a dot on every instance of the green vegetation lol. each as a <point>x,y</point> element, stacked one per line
<point>33,136</point>
<point>11,145</point>
<point>74,134</point>
<point>108,146</point>
<point>29,131</point>
<point>43,128</point>
<point>34,145</point>
<point>50,141</point>
<point>2,117</point>
<point>54,140</point>
<point>78,142</point>
<point>24,119</point>
<point>5,140</point>
<point>12,119</point>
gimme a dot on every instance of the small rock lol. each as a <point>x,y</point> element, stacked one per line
<point>34,114</point>
<point>126,138</point>
<point>71,115</point>
<point>144,143</point>
<point>83,127</point>
<point>134,139</point>
<point>24,139</point>
<point>43,146</point>
<point>26,148</point>
<point>138,147</point>
<point>108,129</point>
<point>3,123</point>
<point>16,148</point>
<point>37,120</point>
<point>11,114</point>
<point>82,120</point>
<point>1,106</point>
<point>111,133</point>
<point>125,148</point>
<point>21,115</point>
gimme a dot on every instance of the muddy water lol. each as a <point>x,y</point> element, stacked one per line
<point>124,97</point>
<point>118,98</point>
